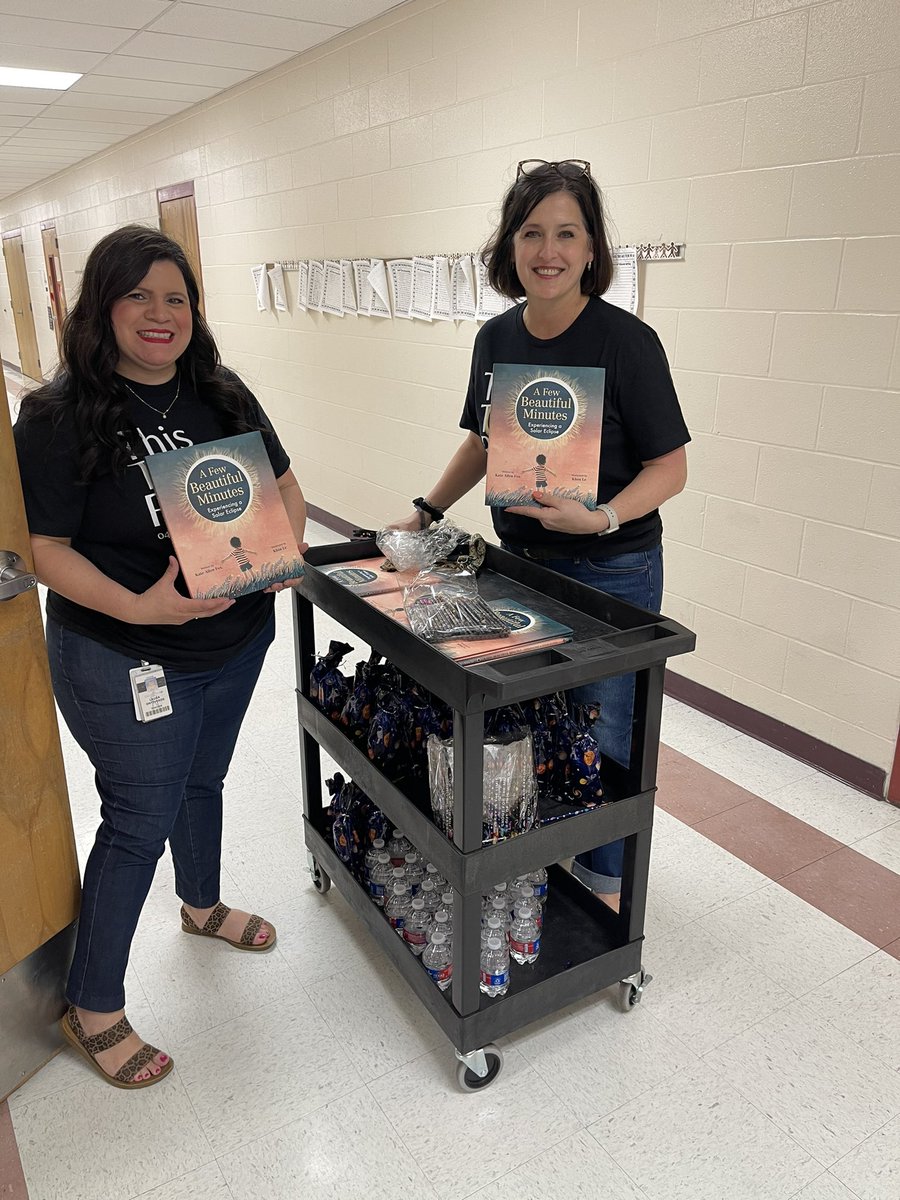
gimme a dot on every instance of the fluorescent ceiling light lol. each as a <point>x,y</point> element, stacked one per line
<point>19,77</point>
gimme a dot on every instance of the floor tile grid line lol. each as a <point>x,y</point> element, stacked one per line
<point>745,1095</point>
<point>850,1153</point>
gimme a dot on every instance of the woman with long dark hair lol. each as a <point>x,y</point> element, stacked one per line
<point>552,247</point>
<point>140,374</point>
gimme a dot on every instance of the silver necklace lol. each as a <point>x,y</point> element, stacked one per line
<point>161,411</point>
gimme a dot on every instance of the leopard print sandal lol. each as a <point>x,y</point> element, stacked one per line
<point>215,921</point>
<point>89,1046</point>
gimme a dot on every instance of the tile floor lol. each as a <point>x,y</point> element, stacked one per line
<point>763,1063</point>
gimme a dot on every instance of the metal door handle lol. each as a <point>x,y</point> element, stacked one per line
<point>13,577</point>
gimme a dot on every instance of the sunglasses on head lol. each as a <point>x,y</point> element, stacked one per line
<point>569,168</point>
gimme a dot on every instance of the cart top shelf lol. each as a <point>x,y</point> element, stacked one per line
<point>610,637</point>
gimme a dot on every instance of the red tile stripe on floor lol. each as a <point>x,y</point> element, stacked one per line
<point>12,1181</point>
<point>853,890</point>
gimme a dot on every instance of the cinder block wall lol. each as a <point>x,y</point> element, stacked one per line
<point>761,132</point>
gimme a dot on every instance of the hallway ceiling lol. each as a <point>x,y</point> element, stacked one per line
<point>141,61</point>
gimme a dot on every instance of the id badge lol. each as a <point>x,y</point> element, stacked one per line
<point>150,692</point>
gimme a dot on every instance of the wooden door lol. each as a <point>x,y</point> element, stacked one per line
<point>54,280</point>
<point>14,253</point>
<point>178,220</point>
<point>39,882</point>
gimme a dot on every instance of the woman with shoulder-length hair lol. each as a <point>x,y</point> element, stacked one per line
<point>140,374</point>
<point>552,247</point>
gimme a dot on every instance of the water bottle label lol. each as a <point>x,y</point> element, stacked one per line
<point>525,947</point>
<point>377,890</point>
<point>440,974</point>
<point>397,923</point>
<point>398,862</point>
<point>540,890</point>
<point>494,980</point>
<point>415,937</point>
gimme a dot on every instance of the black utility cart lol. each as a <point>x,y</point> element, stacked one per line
<point>585,946</point>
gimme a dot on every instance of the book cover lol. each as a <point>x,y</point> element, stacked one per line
<point>544,433</point>
<point>364,576</point>
<point>529,631</point>
<point>225,516</point>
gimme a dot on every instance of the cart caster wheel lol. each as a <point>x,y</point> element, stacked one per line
<point>471,1081</point>
<point>631,990</point>
<point>321,881</point>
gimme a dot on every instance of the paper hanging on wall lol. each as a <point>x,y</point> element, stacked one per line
<point>348,288</point>
<point>362,287</point>
<point>400,271</point>
<point>489,302</point>
<point>462,289</point>
<point>623,291</point>
<point>316,284</point>
<point>332,293</point>
<point>261,283</point>
<point>422,288</point>
<point>379,301</point>
<point>440,292</point>
<point>303,285</point>
<point>276,278</point>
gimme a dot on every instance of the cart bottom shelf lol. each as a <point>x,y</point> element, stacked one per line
<point>583,951</point>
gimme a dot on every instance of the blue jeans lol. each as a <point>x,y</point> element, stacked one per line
<point>158,781</point>
<point>637,578</point>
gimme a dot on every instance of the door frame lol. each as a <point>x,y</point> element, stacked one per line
<point>55,283</point>
<point>31,368</point>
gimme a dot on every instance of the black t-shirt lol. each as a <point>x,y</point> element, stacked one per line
<point>115,523</point>
<point>641,414</point>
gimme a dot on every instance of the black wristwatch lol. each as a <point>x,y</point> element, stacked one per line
<point>436,514</point>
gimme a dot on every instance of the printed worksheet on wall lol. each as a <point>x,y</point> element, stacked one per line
<point>276,279</point>
<point>623,291</point>
<point>440,293</point>
<point>316,284</point>
<point>332,297</point>
<point>348,289</point>
<point>361,269</point>
<point>303,285</point>
<point>380,301</point>
<point>422,288</point>
<point>490,302</point>
<point>462,289</point>
<point>400,275</point>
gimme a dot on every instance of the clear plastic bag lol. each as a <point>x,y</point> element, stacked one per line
<point>510,789</point>
<point>445,604</point>
<point>421,548</point>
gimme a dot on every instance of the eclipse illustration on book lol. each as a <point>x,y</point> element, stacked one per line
<point>225,516</point>
<point>545,430</point>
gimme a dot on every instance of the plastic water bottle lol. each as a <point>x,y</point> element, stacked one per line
<point>493,927</point>
<point>447,900</point>
<point>415,928</point>
<point>397,906</point>
<point>380,877</point>
<point>432,873</point>
<point>398,848</point>
<point>524,935</point>
<point>538,880</point>
<point>498,908</point>
<point>441,922</point>
<point>500,889</point>
<point>438,961</point>
<point>429,894</point>
<point>494,967</point>
<point>415,872</point>
<point>525,895</point>
<point>372,857</point>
